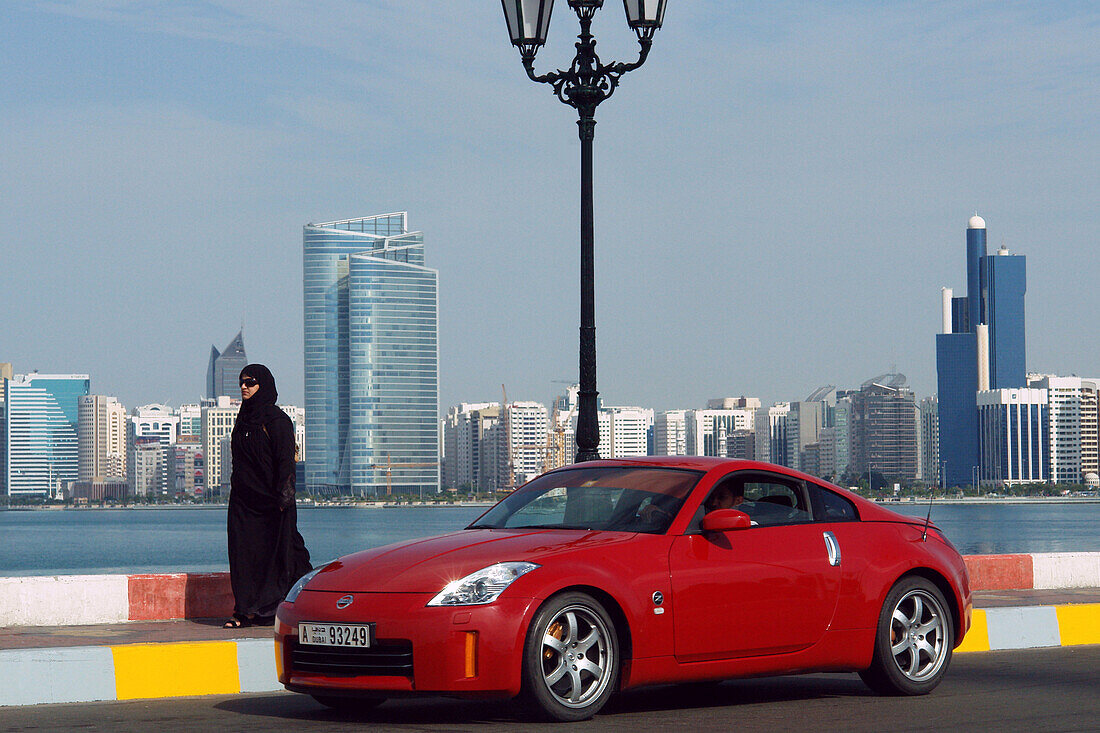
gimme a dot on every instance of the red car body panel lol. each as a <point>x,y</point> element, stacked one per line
<point>763,600</point>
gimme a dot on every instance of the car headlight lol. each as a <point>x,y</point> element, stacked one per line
<point>301,584</point>
<point>484,586</point>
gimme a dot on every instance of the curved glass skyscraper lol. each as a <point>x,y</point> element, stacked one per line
<point>371,358</point>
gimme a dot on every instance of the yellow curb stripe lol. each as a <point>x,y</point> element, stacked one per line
<point>977,639</point>
<point>174,670</point>
<point>1079,624</point>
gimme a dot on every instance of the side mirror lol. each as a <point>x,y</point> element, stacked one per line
<point>724,520</point>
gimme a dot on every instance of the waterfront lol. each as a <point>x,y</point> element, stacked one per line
<point>82,542</point>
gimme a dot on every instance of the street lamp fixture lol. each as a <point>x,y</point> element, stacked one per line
<point>585,84</point>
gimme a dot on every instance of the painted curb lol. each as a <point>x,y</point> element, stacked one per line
<point>147,671</point>
<point>136,671</point>
<point>1032,627</point>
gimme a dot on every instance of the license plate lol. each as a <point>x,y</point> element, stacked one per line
<point>355,635</point>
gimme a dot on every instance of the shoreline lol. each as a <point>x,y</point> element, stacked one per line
<point>902,501</point>
<point>224,505</point>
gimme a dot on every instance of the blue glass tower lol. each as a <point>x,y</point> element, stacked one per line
<point>996,285</point>
<point>39,433</point>
<point>1003,295</point>
<point>371,358</point>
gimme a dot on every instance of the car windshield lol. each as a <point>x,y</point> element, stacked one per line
<point>626,499</point>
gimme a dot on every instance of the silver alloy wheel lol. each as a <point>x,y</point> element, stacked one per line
<point>918,633</point>
<point>577,656</point>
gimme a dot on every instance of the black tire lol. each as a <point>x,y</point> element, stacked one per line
<point>913,641</point>
<point>350,704</point>
<point>570,659</point>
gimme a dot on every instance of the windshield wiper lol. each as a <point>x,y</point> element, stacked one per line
<point>483,526</point>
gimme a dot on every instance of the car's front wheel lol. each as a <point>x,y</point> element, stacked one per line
<point>571,658</point>
<point>913,642</point>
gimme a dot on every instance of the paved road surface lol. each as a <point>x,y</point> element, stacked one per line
<point>1034,690</point>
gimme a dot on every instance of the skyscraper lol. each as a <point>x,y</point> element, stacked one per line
<point>371,358</point>
<point>224,368</point>
<point>40,432</point>
<point>101,438</point>
<point>981,347</point>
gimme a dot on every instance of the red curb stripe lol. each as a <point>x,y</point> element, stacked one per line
<point>181,595</point>
<point>1000,572</point>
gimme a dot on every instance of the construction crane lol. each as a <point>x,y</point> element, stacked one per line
<point>389,465</point>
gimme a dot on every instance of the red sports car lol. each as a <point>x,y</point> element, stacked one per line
<point>610,575</point>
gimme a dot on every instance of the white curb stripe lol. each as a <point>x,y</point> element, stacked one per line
<point>1053,570</point>
<point>64,600</point>
<point>1022,628</point>
<point>70,674</point>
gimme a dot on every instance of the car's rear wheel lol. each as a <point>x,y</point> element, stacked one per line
<point>350,704</point>
<point>913,642</point>
<point>571,658</point>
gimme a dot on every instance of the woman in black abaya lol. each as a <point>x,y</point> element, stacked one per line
<point>266,553</point>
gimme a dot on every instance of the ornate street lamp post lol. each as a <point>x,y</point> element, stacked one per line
<point>585,84</point>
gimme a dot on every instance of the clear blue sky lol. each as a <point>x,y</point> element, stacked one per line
<point>781,191</point>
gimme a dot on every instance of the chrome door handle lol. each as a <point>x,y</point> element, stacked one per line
<point>833,548</point>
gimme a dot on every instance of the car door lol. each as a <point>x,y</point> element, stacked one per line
<point>767,589</point>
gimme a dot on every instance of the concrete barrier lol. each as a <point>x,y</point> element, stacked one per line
<point>93,599</point>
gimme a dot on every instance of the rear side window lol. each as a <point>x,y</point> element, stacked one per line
<point>835,508</point>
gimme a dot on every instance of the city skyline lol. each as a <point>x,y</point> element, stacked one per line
<point>790,214</point>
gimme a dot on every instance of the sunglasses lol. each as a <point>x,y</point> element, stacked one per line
<point>248,382</point>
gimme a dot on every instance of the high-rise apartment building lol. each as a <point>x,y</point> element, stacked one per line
<point>525,426</point>
<point>884,428</point>
<point>981,347</point>
<point>670,433</point>
<point>707,430</point>
<point>151,428</point>
<point>101,439</point>
<point>297,417</point>
<point>771,433</point>
<point>190,416</point>
<point>224,369</point>
<point>186,468</point>
<point>39,432</point>
<point>217,427</point>
<point>624,431</point>
<point>1072,426</point>
<point>464,432</point>
<point>929,445</point>
<point>371,358</point>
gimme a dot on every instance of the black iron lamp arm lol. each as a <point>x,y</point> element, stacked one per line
<point>587,82</point>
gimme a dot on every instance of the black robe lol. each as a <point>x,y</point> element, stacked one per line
<point>267,554</point>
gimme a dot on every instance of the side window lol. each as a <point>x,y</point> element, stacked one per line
<point>834,507</point>
<point>771,501</point>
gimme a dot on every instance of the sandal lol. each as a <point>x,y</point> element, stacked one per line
<point>237,622</point>
<point>264,620</point>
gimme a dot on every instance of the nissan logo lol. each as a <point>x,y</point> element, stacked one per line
<point>344,602</point>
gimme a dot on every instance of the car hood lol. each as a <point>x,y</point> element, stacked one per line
<point>427,565</point>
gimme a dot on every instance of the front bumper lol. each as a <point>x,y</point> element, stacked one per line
<point>474,651</point>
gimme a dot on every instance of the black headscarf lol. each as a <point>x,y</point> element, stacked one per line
<point>260,408</point>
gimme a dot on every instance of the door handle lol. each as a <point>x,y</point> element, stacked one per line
<point>833,548</point>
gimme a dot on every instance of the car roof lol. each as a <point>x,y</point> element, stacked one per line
<point>699,463</point>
